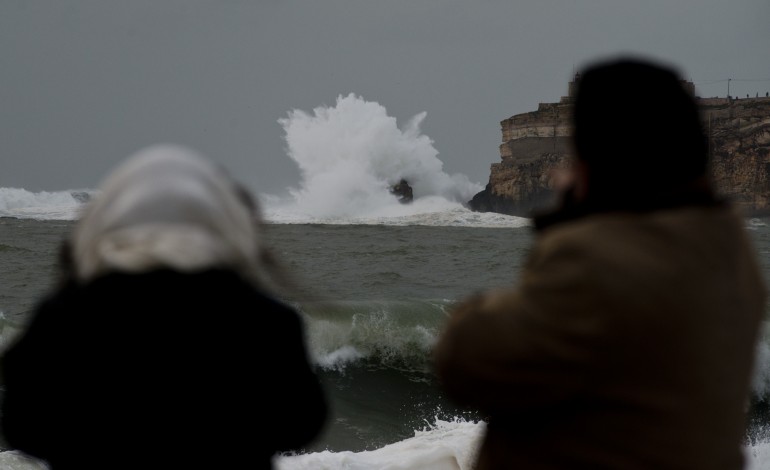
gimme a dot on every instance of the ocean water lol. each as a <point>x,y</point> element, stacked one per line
<point>376,279</point>
<point>377,295</point>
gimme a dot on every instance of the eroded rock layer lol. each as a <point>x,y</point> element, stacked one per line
<point>536,143</point>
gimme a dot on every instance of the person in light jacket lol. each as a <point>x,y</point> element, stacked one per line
<point>628,339</point>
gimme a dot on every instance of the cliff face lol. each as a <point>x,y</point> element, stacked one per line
<point>740,148</point>
<point>536,143</point>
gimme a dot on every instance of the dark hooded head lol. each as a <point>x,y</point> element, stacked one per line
<point>637,129</point>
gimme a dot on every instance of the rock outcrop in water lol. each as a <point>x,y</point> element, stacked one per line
<point>537,142</point>
<point>402,191</point>
<point>81,196</point>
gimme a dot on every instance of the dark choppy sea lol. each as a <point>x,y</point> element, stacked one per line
<point>376,297</point>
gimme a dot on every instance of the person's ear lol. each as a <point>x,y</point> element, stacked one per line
<point>572,179</point>
<point>580,179</point>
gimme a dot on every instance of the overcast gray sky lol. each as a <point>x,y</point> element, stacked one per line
<point>85,83</point>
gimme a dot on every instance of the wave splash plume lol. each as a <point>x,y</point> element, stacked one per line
<point>351,154</point>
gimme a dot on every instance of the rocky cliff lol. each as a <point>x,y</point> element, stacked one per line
<point>535,143</point>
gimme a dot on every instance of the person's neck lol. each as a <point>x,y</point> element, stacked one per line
<point>696,193</point>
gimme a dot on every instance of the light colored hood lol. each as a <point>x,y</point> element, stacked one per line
<point>166,206</point>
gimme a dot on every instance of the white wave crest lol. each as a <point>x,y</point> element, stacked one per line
<point>44,205</point>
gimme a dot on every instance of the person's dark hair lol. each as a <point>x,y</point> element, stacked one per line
<point>637,128</point>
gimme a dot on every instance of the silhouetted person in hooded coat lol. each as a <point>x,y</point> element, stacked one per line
<point>165,346</point>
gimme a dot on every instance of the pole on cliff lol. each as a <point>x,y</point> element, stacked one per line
<point>728,88</point>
